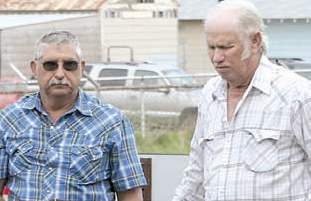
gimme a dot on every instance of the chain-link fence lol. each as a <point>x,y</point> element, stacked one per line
<point>163,115</point>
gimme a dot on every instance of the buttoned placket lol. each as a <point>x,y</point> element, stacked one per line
<point>50,169</point>
<point>225,160</point>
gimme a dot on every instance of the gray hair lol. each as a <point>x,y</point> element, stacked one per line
<point>57,37</point>
<point>248,19</point>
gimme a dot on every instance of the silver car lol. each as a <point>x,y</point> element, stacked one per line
<point>154,89</point>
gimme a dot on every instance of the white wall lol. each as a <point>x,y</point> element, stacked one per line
<point>167,171</point>
<point>285,39</point>
<point>192,47</point>
<point>17,43</point>
<point>147,36</point>
<point>289,39</point>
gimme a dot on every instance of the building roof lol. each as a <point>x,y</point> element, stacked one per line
<point>8,21</point>
<point>270,9</point>
<point>49,5</point>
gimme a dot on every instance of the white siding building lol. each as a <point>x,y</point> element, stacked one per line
<point>288,30</point>
<point>149,27</point>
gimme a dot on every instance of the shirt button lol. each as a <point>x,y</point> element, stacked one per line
<point>221,191</point>
<point>226,125</point>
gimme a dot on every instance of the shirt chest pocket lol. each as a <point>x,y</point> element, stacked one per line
<point>21,156</point>
<point>89,164</point>
<point>261,151</point>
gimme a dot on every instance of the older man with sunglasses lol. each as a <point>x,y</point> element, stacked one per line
<point>62,144</point>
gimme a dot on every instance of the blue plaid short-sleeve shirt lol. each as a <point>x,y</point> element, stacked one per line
<point>89,154</point>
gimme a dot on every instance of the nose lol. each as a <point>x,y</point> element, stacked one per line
<point>59,74</point>
<point>218,56</point>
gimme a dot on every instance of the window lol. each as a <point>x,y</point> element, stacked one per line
<point>178,77</point>
<point>145,1</point>
<point>116,76</point>
<point>149,81</point>
<point>161,14</point>
<point>87,70</point>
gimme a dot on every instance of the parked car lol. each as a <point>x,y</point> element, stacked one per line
<point>155,88</point>
<point>11,89</point>
<point>298,65</point>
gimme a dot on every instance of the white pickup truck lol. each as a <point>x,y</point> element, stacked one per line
<point>157,88</point>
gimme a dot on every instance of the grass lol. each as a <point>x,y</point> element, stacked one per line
<point>169,142</point>
<point>163,135</point>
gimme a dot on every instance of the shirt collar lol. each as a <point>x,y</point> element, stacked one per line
<point>82,104</point>
<point>33,101</point>
<point>220,90</point>
<point>261,80</point>
<point>263,76</point>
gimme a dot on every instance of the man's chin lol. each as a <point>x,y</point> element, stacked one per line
<point>60,92</point>
<point>226,77</point>
<point>224,73</point>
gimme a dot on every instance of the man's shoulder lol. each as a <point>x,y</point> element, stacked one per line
<point>292,85</point>
<point>20,104</point>
<point>16,113</point>
<point>100,109</point>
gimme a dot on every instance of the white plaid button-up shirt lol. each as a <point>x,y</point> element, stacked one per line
<point>263,153</point>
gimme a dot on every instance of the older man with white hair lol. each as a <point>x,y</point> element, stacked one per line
<point>253,135</point>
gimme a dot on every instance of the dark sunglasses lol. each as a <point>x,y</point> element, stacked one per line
<point>67,65</point>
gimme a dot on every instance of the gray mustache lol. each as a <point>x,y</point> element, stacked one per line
<point>58,82</point>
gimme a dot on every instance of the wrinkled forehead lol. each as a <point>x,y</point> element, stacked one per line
<point>58,37</point>
<point>59,50</point>
<point>218,21</point>
<point>224,24</point>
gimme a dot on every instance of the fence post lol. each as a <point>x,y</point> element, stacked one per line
<point>142,111</point>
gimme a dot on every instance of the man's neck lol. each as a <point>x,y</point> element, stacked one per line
<point>56,107</point>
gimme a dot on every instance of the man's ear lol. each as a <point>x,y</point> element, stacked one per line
<point>82,66</point>
<point>33,66</point>
<point>256,41</point>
